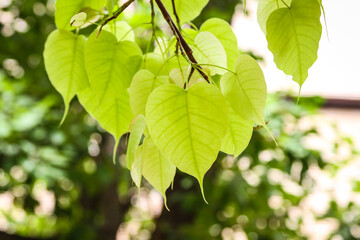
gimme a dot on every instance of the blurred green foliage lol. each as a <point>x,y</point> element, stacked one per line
<point>60,183</point>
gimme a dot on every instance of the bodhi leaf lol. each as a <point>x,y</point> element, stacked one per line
<point>187,10</point>
<point>180,77</point>
<point>154,62</point>
<point>66,9</point>
<point>110,64</point>
<point>222,30</point>
<point>137,166</point>
<point>209,50</point>
<point>157,170</point>
<point>143,83</point>
<point>78,20</point>
<point>238,134</point>
<point>265,8</point>
<point>188,125</point>
<point>137,130</point>
<point>122,30</point>
<point>64,63</point>
<point>246,89</point>
<point>293,36</point>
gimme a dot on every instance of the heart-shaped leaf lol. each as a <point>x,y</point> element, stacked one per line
<point>188,125</point>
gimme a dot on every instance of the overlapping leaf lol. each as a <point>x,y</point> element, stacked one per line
<point>222,30</point>
<point>246,89</point>
<point>136,133</point>
<point>188,125</point>
<point>66,9</point>
<point>64,63</point>
<point>265,8</point>
<point>293,36</point>
<point>187,10</point>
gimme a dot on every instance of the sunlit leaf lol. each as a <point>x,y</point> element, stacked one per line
<point>223,31</point>
<point>78,19</point>
<point>188,125</point>
<point>246,90</point>
<point>293,36</point>
<point>143,83</point>
<point>187,10</point>
<point>64,63</point>
<point>265,8</point>
<point>122,30</point>
<point>136,133</point>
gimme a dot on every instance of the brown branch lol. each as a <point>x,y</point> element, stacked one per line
<point>180,38</point>
<point>116,14</point>
<point>175,14</point>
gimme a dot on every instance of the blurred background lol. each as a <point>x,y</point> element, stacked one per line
<point>60,183</point>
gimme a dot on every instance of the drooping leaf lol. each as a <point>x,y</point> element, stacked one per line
<point>188,125</point>
<point>223,31</point>
<point>122,30</point>
<point>66,9</point>
<point>156,169</point>
<point>238,134</point>
<point>136,133</point>
<point>137,166</point>
<point>265,8</point>
<point>209,50</point>
<point>246,91</point>
<point>64,63</point>
<point>187,10</point>
<point>143,83</point>
<point>293,36</point>
<point>110,64</point>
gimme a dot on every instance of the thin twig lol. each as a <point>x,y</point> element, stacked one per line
<point>175,14</point>
<point>180,38</point>
<point>116,14</point>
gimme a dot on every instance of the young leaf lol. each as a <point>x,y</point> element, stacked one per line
<point>136,133</point>
<point>238,134</point>
<point>110,64</point>
<point>156,169</point>
<point>66,9</point>
<point>223,31</point>
<point>78,20</point>
<point>122,30</point>
<point>64,63</point>
<point>265,8</point>
<point>293,36</point>
<point>187,10</point>
<point>143,83</point>
<point>137,166</point>
<point>188,125</point>
<point>209,50</point>
<point>246,90</point>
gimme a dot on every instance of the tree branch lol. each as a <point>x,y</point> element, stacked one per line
<point>116,14</point>
<point>180,37</point>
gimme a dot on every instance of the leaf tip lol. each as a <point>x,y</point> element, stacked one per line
<point>66,111</point>
<point>202,191</point>
<point>116,145</point>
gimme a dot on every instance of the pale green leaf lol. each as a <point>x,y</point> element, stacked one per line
<point>64,63</point>
<point>156,169</point>
<point>223,31</point>
<point>137,166</point>
<point>265,8</point>
<point>122,30</point>
<point>154,62</point>
<point>238,134</point>
<point>66,9</point>
<point>110,64</point>
<point>110,6</point>
<point>136,133</point>
<point>143,83</point>
<point>78,20</point>
<point>209,50</point>
<point>180,77</point>
<point>246,90</point>
<point>188,125</point>
<point>293,36</point>
<point>187,10</point>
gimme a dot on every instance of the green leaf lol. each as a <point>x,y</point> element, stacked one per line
<point>143,83</point>
<point>66,9</point>
<point>180,77</point>
<point>110,64</point>
<point>137,166</point>
<point>156,169</point>
<point>223,31</point>
<point>188,125</point>
<point>238,134</point>
<point>209,50</point>
<point>246,90</point>
<point>293,36</point>
<point>136,133</point>
<point>64,63</point>
<point>78,20</point>
<point>187,10</point>
<point>121,29</point>
<point>110,6</point>
<point>265,8</point>
<point>154,62</point>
